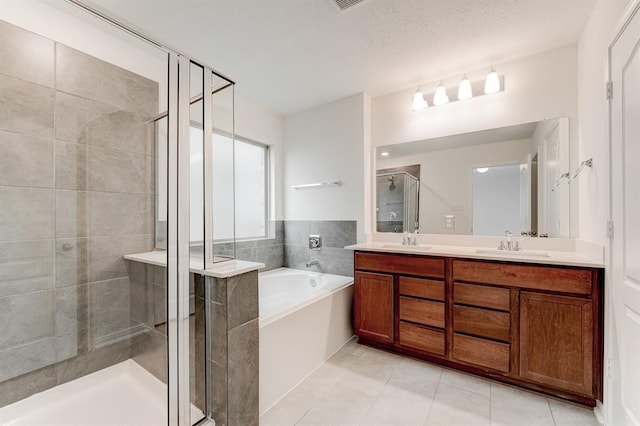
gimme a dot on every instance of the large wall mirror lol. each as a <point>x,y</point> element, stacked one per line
<point>480,183</point>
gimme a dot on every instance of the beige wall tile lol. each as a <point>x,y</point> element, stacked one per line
<point>25,160</point>
<point>26,107</point>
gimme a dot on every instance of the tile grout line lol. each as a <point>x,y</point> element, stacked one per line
<point>490,405</point>
<point>553,418</point>
<point>433,400</point>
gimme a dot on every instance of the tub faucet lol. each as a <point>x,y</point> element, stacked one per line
<point>313,262</point>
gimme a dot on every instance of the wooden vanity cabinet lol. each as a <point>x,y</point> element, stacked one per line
<point>373,312</point>
<point>536,326</point>
<point>556,341</point>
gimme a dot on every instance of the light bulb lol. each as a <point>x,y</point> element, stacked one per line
<point>440,97</point>
<point>482,169</point>
<point>464,90</point>
<point>418,103</point>
<point>492,83</point>
<point>384,153</point>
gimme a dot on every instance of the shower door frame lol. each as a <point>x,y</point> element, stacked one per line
<point>178,237</point>
<point>405,206</point>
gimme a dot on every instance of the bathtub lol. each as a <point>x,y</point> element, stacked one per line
<point>305,317</point>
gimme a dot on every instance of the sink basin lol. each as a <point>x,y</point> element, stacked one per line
<point>406,247</point>
<point>512,253</point>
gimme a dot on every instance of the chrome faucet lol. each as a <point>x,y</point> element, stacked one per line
<point>410,239</point>
<point>313,262</point>
<point>509,246</point>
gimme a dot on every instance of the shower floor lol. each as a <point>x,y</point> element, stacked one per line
<point>123,394</point>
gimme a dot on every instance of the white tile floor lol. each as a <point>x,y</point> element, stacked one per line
<point>364,386</point>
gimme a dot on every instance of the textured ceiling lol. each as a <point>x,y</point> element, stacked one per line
<point>292,55</point>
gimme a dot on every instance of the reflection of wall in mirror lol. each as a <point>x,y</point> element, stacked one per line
<point>445,180</point>
<point>550,141</point>
<point>496,201</point>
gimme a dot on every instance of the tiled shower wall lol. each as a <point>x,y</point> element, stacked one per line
<point>76,193</point>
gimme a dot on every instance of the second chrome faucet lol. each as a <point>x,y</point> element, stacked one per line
<point>509,246</point>
<point>410,238</point>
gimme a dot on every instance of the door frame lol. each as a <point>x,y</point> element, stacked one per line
<point>605,411</point>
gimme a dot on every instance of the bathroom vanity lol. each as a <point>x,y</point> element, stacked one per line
<point>534,323</point>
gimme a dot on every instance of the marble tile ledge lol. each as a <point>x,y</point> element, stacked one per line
<point>223,269</point>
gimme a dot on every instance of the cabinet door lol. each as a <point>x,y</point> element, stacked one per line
<point>373,306</point>
<point>556,341</point>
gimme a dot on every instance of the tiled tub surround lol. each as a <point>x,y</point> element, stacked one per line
<point>333,258</point>
<point>289,246</point>
<point>234,309</point>
<point>269,251</point>
<point>76,192</point>
<point>234,349</point>
<point>232,336</point>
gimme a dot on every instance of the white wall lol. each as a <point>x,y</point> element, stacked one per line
<point>446,180</point>
<point>536,87</point>
<point>326,144</point>
<point>593,185</point>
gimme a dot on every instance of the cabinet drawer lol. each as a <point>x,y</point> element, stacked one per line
<point>422,311</point>
<point>419,287</point>
<point>400,264</point>
<point>485,353</point>
<point>566,280</point>
<point>481,322</point>
<point>422,338</point>
<point>482,296</point>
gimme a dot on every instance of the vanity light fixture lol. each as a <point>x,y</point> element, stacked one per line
<point>464,89</point>
<point>482,169</point>
<point>492,83</point>
<point>418,103</point>
<point>440,97</point>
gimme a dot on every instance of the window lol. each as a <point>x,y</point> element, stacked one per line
<point>251,188</point>
<point>250,195</point>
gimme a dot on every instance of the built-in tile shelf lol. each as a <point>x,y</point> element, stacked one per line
<point>223,269</point>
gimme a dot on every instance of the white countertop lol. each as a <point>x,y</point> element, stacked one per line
<point>566,258</point>
<point>223,269</point>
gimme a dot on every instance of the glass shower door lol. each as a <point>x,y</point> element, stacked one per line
<point>81,314</point>
<point>95,301</point>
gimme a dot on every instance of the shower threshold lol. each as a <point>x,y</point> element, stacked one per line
<point>124,394</point>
